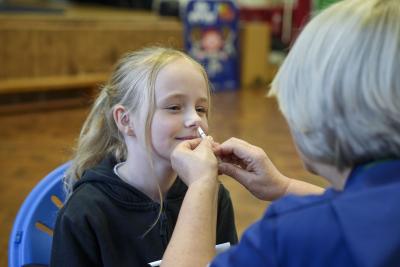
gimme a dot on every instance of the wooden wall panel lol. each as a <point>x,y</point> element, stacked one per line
<point>15,59</point>
<point>34,47</point>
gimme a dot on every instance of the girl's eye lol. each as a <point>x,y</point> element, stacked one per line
<point>174,108</point>
<point>201,110</point>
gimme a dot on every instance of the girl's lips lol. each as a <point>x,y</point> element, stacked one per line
<point>186,138</point>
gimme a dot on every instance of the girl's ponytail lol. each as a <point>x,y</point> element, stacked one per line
<point>98,137</point>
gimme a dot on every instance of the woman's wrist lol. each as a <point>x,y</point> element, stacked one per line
<point>205,181</point>
<point>298,187</point>
<point>284,185</point>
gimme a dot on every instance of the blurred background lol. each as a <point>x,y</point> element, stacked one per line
<point>54,55</point>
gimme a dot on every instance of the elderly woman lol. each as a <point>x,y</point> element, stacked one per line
<point>339,89</point>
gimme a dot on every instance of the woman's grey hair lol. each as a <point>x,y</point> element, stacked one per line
<point>339,87</point>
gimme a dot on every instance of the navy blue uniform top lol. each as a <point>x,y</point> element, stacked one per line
<point>359,226</point>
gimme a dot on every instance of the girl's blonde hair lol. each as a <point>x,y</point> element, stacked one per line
<point>132,84</point>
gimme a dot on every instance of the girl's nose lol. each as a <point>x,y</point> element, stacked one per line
<point>192,119</point>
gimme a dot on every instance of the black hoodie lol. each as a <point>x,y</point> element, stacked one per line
<point>103,222</point>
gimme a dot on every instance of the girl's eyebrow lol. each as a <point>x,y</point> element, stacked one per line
<point>179,97</point>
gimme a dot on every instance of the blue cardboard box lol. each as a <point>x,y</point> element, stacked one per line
<point>211,37</point>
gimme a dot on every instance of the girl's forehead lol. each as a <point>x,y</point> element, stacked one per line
<point>179,64</point>
<point>181,77</point>
<point>181,93</point>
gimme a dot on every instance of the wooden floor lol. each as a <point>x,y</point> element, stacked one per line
<point>32,144</point>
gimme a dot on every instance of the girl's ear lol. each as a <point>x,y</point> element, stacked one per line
<point>122,120</point>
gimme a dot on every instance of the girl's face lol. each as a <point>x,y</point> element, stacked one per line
<point>181,97</point>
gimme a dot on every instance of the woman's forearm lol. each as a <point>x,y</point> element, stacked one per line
<point>193,240</point>
<point>298,187</point>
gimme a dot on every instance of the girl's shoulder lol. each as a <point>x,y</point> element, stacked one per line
<point>80,206</point>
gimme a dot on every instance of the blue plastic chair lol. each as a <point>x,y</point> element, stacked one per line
<point>32,233</point>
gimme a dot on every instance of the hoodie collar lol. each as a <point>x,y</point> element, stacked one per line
<point>103,177</point>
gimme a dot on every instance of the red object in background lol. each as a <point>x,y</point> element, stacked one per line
<point>273,15</point>
<point>301,14</point>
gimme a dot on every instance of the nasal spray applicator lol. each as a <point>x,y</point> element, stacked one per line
<point>204,136</point>
<point>201,133</point>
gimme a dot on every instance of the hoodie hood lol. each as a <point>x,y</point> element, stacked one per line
<point>102,176</point>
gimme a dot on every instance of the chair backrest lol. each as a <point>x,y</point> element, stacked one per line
<point>31,236</point>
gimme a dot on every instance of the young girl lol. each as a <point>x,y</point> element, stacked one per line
<point>123,195</point>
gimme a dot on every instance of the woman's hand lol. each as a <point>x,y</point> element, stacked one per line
<point>251,167</point>
<point>194,160</point>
